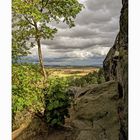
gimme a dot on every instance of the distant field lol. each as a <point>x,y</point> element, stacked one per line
<point>70,71</point>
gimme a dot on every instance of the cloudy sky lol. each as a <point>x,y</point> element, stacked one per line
<point>89,41</point>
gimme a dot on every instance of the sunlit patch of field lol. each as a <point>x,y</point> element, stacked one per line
<point>67,72</point>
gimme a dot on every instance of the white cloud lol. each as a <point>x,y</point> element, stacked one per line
<point>80,54</point>
<point>101,51</point>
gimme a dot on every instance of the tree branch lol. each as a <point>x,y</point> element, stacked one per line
<point>28,20</point>
<point>43,6</point>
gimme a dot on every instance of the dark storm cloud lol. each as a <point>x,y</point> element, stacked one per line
<point>95,61</point>
<point>110,5</point>
<point>68,58</point>
<point>95,31</point>
<point>98,17</point>
<point>78,32</point>
<point>76,43</point>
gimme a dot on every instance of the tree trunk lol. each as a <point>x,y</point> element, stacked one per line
<point>39,51</point>
<point>41,59</point>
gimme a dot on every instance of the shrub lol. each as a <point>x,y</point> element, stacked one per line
<point>26,88</point>
<point>90,78</point>
<point>57,102</point>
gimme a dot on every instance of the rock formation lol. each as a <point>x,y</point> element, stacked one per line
<point>95,113</point>
<point>116,68</point>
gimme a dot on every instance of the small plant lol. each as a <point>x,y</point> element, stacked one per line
<point>57,102</point>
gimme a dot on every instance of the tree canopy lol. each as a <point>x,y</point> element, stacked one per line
<point>32,18</point>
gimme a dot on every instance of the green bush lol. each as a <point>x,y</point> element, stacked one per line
<point>90,78</point>
<point>57,102</point>
<point>26,88</point>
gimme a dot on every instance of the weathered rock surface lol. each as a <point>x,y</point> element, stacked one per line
<point>95,113</point>
<point>116,68</point>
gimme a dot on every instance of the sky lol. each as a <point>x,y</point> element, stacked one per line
<point>89,41</point>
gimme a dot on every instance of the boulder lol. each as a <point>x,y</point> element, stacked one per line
<point>96,113</point>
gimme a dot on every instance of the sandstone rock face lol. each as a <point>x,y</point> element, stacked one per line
<point>96,113</point>
<point>116,68</point>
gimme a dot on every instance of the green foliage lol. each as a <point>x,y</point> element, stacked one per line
<point>101,78</point>
<point>57,101</point>
<point>19,46</point>
<point>28,92</point>
<point>31,20</point>
<point>91,78</point>
<point>26,88</point>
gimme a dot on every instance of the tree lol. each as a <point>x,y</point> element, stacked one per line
<point>31,22</point>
